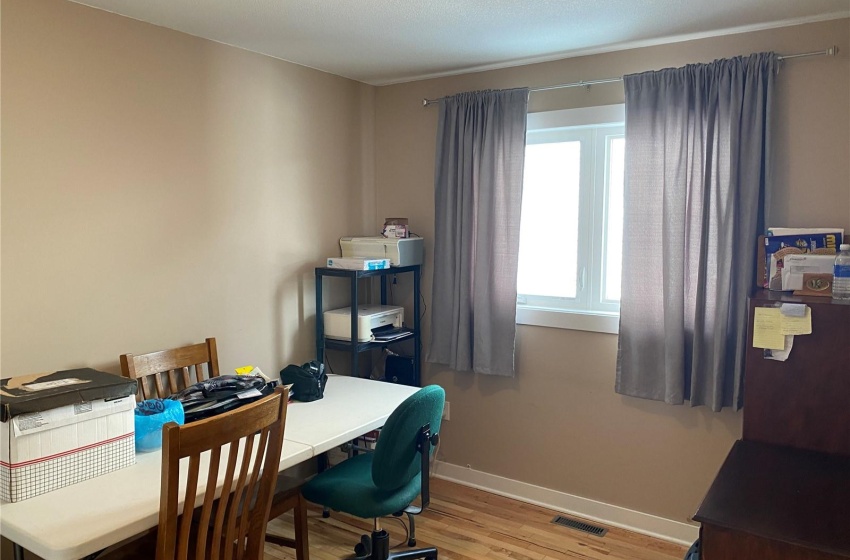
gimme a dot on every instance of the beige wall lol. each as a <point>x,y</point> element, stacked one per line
<point>158,189</point>
<point>559,423</point>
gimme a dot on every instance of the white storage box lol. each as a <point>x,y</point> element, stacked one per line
<point>62,428</point>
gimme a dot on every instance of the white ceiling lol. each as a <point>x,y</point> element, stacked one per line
<point>387,41</point>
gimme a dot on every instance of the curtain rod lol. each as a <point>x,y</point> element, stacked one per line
<point>587,83</point>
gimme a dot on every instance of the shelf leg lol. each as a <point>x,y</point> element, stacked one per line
<point>355,335</point>
<point>417,337</point>
<point>320,321</point>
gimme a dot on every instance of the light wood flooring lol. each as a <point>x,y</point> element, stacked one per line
<point>469,524</point>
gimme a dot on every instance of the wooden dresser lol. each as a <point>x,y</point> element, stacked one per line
<point>784,490</point>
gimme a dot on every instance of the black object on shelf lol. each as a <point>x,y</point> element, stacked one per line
<point>391,336</point>
<point>400,369</point>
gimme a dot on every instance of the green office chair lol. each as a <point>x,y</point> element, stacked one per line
<point>385,482</point>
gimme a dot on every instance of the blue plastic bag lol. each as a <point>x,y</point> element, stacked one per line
<point>150,416</point>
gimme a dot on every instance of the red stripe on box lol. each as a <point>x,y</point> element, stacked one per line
<point>64,453</point>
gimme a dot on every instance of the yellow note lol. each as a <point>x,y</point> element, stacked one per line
<point>244,370</point>
<point>767,329</point>
<point>796,325</point>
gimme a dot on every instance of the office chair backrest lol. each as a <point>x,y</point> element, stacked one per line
<point>233,526</point>
<point>396,460</point>
<point>180,367</point>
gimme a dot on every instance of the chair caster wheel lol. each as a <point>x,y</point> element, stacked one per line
<point>363,549</point>
<point>411,542</point>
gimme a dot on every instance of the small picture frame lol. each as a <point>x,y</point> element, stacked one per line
<point>816,284</point>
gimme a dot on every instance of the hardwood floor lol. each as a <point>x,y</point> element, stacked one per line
<point>468,524</point>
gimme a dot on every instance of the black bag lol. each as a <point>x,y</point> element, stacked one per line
<point>308,381</point>
<point>220,394</point>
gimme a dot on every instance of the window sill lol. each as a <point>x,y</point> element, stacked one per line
<point>573,320</point>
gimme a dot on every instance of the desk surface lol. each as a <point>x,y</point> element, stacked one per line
<point>83,518</point>
<point>784,494</point>
<point>350,408</point>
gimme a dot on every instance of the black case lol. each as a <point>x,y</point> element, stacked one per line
<point>400,369</point>
<point>308,381</point>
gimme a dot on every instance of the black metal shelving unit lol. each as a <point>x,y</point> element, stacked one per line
<point>353,346</point>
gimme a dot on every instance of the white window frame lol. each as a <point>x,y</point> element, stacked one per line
<point>594,126</point>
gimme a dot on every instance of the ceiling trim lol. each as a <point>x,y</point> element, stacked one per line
<point>622,47</point>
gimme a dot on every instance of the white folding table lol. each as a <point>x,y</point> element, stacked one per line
<point>350,408</point>
<point>84,518</point>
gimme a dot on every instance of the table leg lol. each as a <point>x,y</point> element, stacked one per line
<point>322,465</point>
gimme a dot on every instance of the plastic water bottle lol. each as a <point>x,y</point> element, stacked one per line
<point>841,280</point>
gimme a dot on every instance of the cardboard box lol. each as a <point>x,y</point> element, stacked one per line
<point>396,228</point>
<point>62,428</point>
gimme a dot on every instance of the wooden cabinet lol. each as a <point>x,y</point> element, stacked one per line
<point>784,490</point>
<point>803,402</point>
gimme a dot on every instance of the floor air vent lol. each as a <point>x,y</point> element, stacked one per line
<point>580,525</point>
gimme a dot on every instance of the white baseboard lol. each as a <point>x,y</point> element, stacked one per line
<point>615,516</point>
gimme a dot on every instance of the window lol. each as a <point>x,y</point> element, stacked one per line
<point>572,219</point>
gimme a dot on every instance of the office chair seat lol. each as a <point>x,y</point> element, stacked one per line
<point>360,497</point>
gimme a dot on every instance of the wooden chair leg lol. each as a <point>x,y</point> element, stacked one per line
<point>302,547</point>
<point>291,499</point>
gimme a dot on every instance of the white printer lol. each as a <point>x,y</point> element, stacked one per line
<point>401,252</point>
<point>338,321</point>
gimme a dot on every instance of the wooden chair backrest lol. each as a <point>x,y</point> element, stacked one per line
<point>232,527</point>
<point>163,373</point>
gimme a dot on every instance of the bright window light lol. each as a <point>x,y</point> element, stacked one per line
<point>550,211</point>
<point>571,233</point>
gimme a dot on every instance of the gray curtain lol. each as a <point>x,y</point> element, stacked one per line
<point>478,198</point>
<point>697,164</point>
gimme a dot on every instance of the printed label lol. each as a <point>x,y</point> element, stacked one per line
<point>30,421</point>
<point>82,408</point>
<point>842,271</point>
<point>44,385</point>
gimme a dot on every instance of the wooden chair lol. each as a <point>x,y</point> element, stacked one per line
<point>163,373</point>
<point>233,526</point>
<point>182,367</point>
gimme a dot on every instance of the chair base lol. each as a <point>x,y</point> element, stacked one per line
<point>378,548</point>
<point>410,510</point>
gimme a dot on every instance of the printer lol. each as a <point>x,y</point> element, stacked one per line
<point>400,251</point>
<point>369,317</point>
